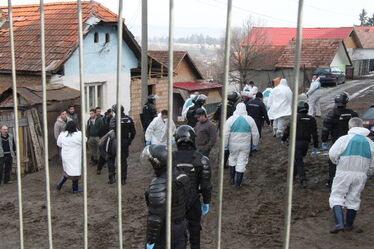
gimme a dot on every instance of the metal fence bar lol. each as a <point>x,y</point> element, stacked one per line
<point>223,121</point>
<point>170,123</point>
<point>83,110</point>
<point>144,59</point>
<point>45,124</point>
<point>18,156</point>
<point>291,148</point>
<point>118,123</point>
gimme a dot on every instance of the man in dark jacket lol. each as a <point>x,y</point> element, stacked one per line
<point>72,115</point>
<point>206,133</point>
<point>149,112</point>
<point>104,130</point>
<point>335,125</point>
<point>306,129</point>
<point>128,133</point>
<point>197,168</point>
<point>7,153</point>
<point>199,101</point>
<point>257,110</point>
<point>94,126</point>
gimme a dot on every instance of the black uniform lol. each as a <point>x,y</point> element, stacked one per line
<point>156,202</point>
<point>257,110</point>
<point>128,133</point>
<point>335,125</point>
<point>104,130</point>
<point>306,129</point>
<point>149,113</point>
<point>191,119</point>
<point>197,168</point>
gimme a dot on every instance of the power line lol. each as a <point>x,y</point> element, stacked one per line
<point>324,10</point>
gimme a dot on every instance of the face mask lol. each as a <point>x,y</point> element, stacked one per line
<point>165,120</point>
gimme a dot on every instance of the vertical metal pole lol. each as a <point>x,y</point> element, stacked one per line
<point>15,100</point>
<point>223,122</point>
<point>144,60</point>
<point>118,122</point>
<point>45,124</point>
<point>170,123</point>
<point>291,148</point>
<point>83,108</point>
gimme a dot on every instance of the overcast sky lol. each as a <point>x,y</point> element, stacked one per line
<point>210,15</point>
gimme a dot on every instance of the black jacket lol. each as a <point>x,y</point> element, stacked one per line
<point>149,113</point>
<point>336,123</point>
<point>128,131</point>
<point>217,114</point>
<point>257,110</point>
<point>306,128</point>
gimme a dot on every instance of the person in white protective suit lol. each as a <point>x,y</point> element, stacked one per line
<point>240,132</point>
<point>280,102</point>
<point>157,130</point>
<point>354,156</point>
<point>266,95</point>
<point>314,97</point>
<point>188,103</point>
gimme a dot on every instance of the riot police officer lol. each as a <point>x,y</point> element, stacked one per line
<point>156,201</point>
<point>149,111</point>
<point>306,128</point>
<point>199,101</point>
<point>128,133</point>
<point>197,168</point>
<point>335,125</point>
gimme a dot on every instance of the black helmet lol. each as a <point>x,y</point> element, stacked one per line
<point>158,156</point>
<point>233,97</point>
<point>151,98</point>
<point>114,108</point>
<point>200,112</point>
<point>341,99</point>
<point>200,99</point>
<point>302,107</point>
<point>185,135</point>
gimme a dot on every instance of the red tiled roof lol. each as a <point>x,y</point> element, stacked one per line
<point>194,86</point>
<point>314,53</point>
<point>61,35</point>
<point>281,36</point>
<point>366,36</point>
<point>266,58</point>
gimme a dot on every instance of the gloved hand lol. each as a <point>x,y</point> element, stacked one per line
<point>150,246</point>
<point>204,209</point>
<point>227,148</point>
<point>147,143</point>
<point>173,142</point>
<point>283,142</point>
<point>370,177</point>
<point>254,147</point>
<point>315,151</point>
<point>325,146</point>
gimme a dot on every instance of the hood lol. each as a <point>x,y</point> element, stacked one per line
<point>240,109</point>
<point>283,82</point>
<point>359,131</point>
<point>276,81</point>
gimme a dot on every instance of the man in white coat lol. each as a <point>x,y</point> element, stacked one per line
<point>280,102</point>
<point>354,156</point>
<point>157,130</point>
<point>314,96</point>
<point>240,132</point>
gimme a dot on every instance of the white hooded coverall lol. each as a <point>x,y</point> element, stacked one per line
<point>71,152</point>
<point>266,96</point>
<point>187,105</point>
<point>280,102</point>
<point>156,132</point>
<point>240,131</point>
<point>314,96</point>
<point>354,156</point>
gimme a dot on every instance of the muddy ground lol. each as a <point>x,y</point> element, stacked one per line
<point>253,217</point>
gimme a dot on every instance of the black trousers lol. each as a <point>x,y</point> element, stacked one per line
<point>5,167</point>
<point>178,236</point>
<point>101,163</point>
<point>112,165</point>
<point>259,124</point>
<point>193,216</point>
<point>300,152</point>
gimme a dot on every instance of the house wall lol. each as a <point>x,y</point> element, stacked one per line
<point>184,72</point>
<point>100,65</point>
<point>341,59</point>
<point>349,42</point>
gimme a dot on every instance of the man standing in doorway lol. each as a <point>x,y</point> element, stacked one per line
<point>7,153</point>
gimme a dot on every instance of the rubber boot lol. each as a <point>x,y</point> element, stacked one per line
<point>339,219</point>
<point>239,179</point>
<point>350,218</point>
<point>112,179</point>
<point>232,175</point>
<point>62,181</point>
<point>75,187</point>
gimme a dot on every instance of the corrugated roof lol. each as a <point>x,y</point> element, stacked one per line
<point>314,53</point>
<point>366,36</point>
<point>61,35</point>
<point>281,36</point>
<point>195,86</point>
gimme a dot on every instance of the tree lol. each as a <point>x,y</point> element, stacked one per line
<point>370,21</point>
<point>363,18</point>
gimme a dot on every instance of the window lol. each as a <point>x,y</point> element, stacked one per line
<point>107,37</point>
<point>93,93</point>
<point>151,89</point>
<point>96,37</point>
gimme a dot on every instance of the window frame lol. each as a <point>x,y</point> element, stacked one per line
<point>98,94</point>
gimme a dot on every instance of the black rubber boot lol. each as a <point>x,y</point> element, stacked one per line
<point>239,179</point>
<point>339,219</point>
<point>232,175</point>
<point>75,187</point>
<point>112,179</point>
<point>350,218</point>
<point>62,181</point>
